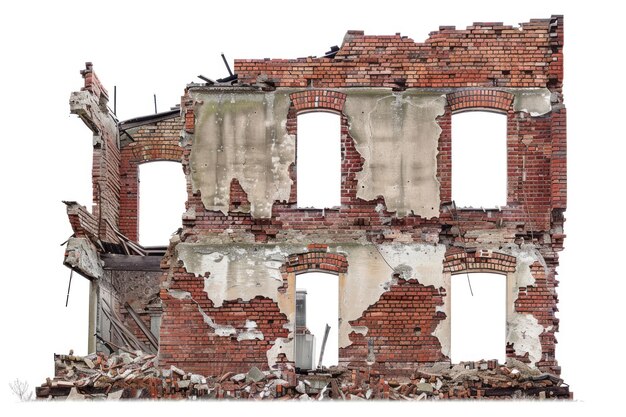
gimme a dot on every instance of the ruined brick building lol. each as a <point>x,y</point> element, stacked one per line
<point>221,296</point>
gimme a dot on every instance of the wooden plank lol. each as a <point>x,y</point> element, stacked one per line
<point>117,322</point>
<point>131,262</point>
<point>142,326</point>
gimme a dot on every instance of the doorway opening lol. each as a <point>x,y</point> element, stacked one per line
<point>317,306</point>
<point>478,323</point>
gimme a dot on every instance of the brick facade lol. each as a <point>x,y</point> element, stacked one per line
<point>486,66</point>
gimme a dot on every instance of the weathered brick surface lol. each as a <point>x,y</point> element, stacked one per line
<point>540,300</point>
<point>189,342</point>
<point>153,141</point>
<point>475,68</point>
<point>400,327</point>
<point>485,54</point>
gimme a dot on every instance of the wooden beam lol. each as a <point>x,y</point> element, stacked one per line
<point>131,262</point>
<point>142,326</point>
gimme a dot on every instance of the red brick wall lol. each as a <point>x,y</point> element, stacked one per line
<point>540,300</point>
<point>400,327</point>
<point>189,343</point>
<point>485,54</point>
<point>472,65</point>
<point>106,158</point>
<point>156,141</point>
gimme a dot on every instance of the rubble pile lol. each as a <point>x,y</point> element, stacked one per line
<point>135,374</point>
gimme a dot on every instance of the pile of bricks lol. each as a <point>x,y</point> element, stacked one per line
<point>135,375</point>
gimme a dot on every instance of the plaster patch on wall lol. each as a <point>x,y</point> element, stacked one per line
<point>442,331</point>
<point>179,295</point>
<point>362,330</point>
<point>526,256</point>
<point>370,275</point>
<point>234,271</point>
<point>535,102</point>
<point>367,277</point>
<point>397,134</point>
<point>523,332</point>
<point>488,237</point>
<point>281,345</point>
<point>414,261</point>
<point>251,332</point>
<point>218,329</point>
<point>241,134</point>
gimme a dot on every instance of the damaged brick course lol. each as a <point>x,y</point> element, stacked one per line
<point>220,297</point>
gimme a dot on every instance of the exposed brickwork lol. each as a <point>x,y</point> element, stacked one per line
<point>84,224</point>
<point>317,261</point>
<point>485,260</point>
<point>93,85</point>
<point>540,300</point>
<point>153,141</point>
<point>558,160</point>
<point>400,327</point>
<point>475,69</point>
<point>351,221</point>
<point>485,54</point>
<point>188,341</point>
<point>480,98</point>
<point>318,99</point>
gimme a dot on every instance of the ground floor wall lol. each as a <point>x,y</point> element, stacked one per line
<point>229,307</point>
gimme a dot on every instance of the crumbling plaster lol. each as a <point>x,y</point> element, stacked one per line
<point>244,272</point>
<point>522,330</point>
<point>536,102</point>
<point>397,136</point>
<point>242,133</point>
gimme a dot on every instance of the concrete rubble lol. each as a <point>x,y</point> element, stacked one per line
<point>135,374</point>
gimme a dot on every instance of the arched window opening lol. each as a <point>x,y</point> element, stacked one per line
<point>478,322</point>
<point>479,159</point>
<point>162,197</point>
<point>317,306</point>
<point>318,160</point>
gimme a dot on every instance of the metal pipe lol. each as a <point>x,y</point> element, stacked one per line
<point>69,286</point>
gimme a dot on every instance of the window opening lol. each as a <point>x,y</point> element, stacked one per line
<point>479,159</point>
<point>478,322</point>
<point>162,197</point>
<point>319,160</point>
<point>317,305</point>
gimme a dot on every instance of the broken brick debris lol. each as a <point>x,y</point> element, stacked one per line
<point>135,374</point>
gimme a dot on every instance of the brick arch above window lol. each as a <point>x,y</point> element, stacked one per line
<point>144,150</point>
<point>481,260</point>
<point>480,98</point>
<point>316,259</point>
<point>149,152</point>
<point>318,100</point>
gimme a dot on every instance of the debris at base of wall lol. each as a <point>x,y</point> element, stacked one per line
<point>135,374</point>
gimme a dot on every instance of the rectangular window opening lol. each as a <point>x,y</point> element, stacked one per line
<point>479,159</point>
<point>162,197</point>
<point>318,160</point>
<point>478,322</point>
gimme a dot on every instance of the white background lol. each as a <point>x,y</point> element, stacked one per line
<point>159,47</point>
